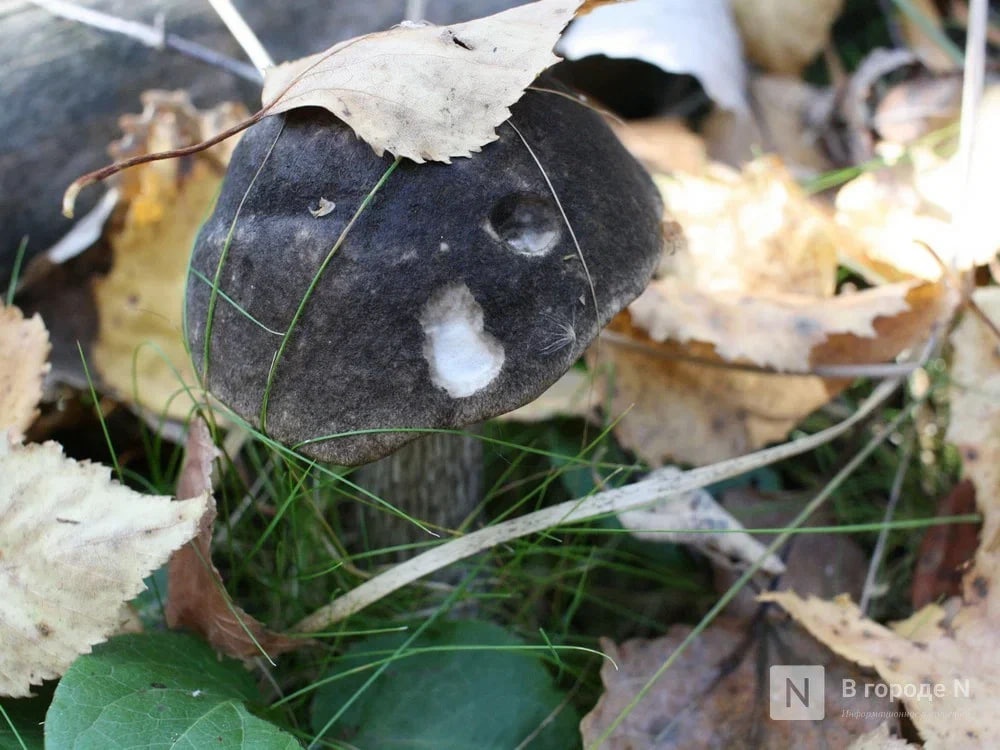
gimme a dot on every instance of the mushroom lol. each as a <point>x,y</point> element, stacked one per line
<point>460,292</point>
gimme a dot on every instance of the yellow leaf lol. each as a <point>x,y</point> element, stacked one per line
<point>427,93</point>
<point>24,353</point>
<point>75,545</point>
<point>139,351</point>
<point>752,288</point>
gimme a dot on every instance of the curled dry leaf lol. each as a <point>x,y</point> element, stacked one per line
<point>75,546</point>
<point>923,201</point>
<point>784,36</point>
<point>695,37</point>
<point>663,144</point>
<point>711,696</point>
<point>695,519</point>
<point>752,288</point>
<point>197,598</point>
<point>24,352</point>
<point>139,352</point>
<point>752,231</point>
<point>957,648</point>
<point>427,93</point>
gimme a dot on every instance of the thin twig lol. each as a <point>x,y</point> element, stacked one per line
<point>243,34</point>
<point>972,93</point>
<point>883,535</point>
<point>653,489</point>
<point>156,36</point>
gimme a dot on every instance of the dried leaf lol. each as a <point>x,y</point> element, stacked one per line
<point>75,546</point>
<point>946,549</point>
<point>751,288</point>
<point>754,231</point>
<point>427,93</point>
<point>697,37</point>
<point>898,212</point>
<point>663,144</point>
<point>24,353</point>
<point>778,331</point>
<point>710,697</point>
<point>197,598</point>
<point>695,519</point>
<point>139,352</point>
<point>784,36</point>
<point>959,651</point>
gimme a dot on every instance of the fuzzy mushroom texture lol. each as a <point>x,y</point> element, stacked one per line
<point>459,293</point>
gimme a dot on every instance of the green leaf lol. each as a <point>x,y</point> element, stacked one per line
<point>157,690</point>
<point>486,698</point>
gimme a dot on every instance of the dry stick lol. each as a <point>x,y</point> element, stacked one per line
<point>644,492</point>
<point>69,197</point>
<point>867,593</point>
<point>972,92</point>
<point>243,34</point>
<point>156,37</point>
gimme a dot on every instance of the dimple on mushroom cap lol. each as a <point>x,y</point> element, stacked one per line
<point>458,294</point>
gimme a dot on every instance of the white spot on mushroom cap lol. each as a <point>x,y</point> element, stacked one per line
<point>463,357</point>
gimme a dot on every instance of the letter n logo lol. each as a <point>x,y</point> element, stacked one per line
<point>797,693</point>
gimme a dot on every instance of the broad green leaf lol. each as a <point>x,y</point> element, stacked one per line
<point>492,697</point>
<point>158,690</point>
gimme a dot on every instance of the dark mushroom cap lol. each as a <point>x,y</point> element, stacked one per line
<point>458,295</point>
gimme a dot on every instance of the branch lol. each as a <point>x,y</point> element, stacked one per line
<point>152,36</point>
<point>652,489</point>
<point>243,34</point>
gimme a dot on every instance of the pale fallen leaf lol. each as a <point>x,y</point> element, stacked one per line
<point>24,353</point>
<point>197,598</point>
<point>695,519</point>
<point>924,201</point>
<point>426,93</point>
<point>139,351</point>
<point>778,331</point>
<point>663,144</point>
<point>697,37</point>
<point>952,650</point>
<point>711,696</point>
<point>75,546</point>
<point>784,36</point>
<point>753,231</point>
<point>751,288</point>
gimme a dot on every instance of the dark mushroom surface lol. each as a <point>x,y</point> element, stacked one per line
<point>458,294</point>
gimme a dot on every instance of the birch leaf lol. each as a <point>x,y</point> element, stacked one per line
<point>24,351</point>
<point>75,546</point>
<point>427,93</point>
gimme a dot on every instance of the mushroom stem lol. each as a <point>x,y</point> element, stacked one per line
<point>437,479</point>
